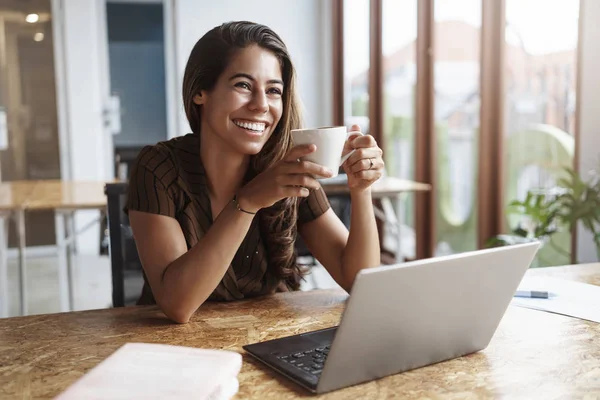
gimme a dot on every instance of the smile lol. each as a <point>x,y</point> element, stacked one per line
<point>253,126</point>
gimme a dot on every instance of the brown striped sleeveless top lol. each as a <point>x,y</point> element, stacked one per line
<point>168,179</point>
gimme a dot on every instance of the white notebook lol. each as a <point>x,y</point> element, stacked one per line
<point>159,371</point>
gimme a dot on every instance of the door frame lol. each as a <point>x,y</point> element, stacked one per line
<point>173,128</point>
<point>62,98</point>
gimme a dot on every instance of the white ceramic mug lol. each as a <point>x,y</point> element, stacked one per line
<point>330,145</point>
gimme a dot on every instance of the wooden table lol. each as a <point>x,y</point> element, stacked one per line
<point>62,197</point>
<point>15,194</point>
<point>532,355</point>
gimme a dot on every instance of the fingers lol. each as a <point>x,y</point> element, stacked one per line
<point>299,180</point>
<point>369,175</point>
<point>367,164</point>
<point>299,152</point>
<point>349,145</point>
<point>362,141</point>
<point>364,154</point>
<point>295,191</point>
<point>307,167</point>
<point>353,133</point>
<point>354,128</point>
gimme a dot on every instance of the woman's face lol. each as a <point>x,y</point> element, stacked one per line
<point>245,106</point>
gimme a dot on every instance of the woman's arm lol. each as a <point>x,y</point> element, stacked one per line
<point>345,253</point>
<point>362,249</point>
<point>182,280</point>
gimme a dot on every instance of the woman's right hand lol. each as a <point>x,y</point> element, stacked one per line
<point>288,178</point>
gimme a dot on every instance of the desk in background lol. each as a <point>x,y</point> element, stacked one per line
<point>13,200</point>
<point>67,197</point>
<point>62,197</point>
<point>532,355</point>
<point>392,193</point>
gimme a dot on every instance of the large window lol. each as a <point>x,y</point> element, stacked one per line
<point>444,64</point>
<point>28,104</point>
<point>356,63</point>
<point>399,37</point>
<point>540,85</point>
<point>457,33</point>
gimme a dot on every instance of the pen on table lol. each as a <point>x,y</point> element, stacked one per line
<point>533,294</point>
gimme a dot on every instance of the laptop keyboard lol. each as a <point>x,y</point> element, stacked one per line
<point>311,361</point>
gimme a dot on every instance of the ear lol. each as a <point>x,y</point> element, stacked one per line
<point>197,99</point>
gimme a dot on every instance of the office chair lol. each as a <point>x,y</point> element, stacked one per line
<point>127,274</point>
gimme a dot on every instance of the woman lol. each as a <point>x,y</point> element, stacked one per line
<point>215,213</point>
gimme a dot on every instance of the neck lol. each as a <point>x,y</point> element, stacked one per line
<point>222,182</point>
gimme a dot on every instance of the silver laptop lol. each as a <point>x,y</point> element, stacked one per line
<point>405,316</point>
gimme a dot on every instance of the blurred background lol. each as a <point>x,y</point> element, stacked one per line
<point>491,102</point>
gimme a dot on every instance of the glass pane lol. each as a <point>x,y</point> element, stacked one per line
<point>356,63</point>
<point>457,98</point>
<point>400,78</point>
<point>540,78</point>
<point>28,104</point>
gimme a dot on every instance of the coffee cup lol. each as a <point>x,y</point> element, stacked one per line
<point>330,145</point>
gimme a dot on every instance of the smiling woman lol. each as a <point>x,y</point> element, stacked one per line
<point>246,101</point>
<point>215,213</point>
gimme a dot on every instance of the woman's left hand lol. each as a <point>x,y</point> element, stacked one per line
<point>366,165</point>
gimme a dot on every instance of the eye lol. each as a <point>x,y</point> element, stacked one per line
<point>243,85</point>
<point>275,91</point>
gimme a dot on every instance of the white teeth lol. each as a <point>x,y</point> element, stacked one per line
<point>255,126</point>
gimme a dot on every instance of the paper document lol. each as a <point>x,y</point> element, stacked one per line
<point>575,299</point>
<point>158,371</point>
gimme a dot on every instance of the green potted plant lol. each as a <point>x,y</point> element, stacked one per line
<point>545,212</point>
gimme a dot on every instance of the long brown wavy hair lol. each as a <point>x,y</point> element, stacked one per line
<point>207,61</point>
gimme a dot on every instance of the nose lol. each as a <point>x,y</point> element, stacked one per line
<point>259,102</point>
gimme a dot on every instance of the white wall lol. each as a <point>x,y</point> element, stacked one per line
<point>302,24</point>
<point>589,117</point>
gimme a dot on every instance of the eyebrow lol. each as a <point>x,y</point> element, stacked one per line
<point>250,77</point>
